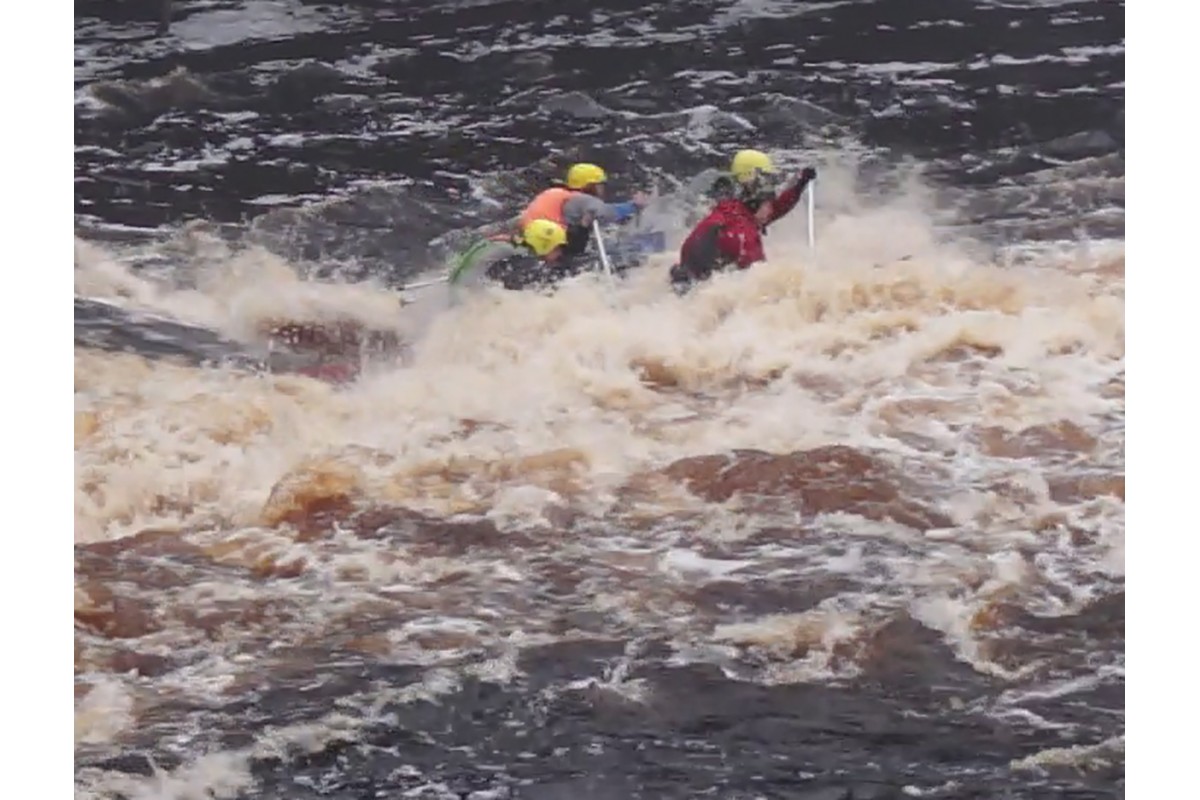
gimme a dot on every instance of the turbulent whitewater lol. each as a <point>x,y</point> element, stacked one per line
<point>849,524</point>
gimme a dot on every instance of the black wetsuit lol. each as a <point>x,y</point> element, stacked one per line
<point>529,272</point>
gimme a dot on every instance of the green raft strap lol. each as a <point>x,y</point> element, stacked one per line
<point>466,260</point>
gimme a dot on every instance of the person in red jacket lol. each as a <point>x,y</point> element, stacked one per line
<point>731,234</point>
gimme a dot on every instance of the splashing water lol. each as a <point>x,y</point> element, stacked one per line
<point>940,438</point>
<point>849,521</point>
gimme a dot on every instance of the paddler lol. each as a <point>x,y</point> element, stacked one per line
<point>731,234</point>
<point>577,204</point>
<point>531,258</point>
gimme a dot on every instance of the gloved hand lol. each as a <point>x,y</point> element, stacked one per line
<point>807,174</point>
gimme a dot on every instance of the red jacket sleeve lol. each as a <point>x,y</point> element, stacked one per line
<point>785,201</point>
<point>741,242</point>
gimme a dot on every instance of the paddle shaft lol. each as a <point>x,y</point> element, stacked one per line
<point>812,234</point>
<point>604,262</point>
<point>423,284</point>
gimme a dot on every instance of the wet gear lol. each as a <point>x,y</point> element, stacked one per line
<point>547,205</point>
<point>524,271</point>
<point>731,235</point>
<point>748,166</point>
<point>575,211</point>
<point>581,176</point>
<point>544,235</point>
<point>749,179</point>
<point>516,262</point>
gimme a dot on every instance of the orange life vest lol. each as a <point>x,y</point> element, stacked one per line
<point>547,205</point>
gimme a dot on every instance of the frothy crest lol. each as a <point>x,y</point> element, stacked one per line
<point>808,349</point>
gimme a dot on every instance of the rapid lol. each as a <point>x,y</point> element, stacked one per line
<point>845,525</point>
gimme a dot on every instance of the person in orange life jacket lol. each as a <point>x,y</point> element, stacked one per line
<point>577,204</point>
<point>731,234</point>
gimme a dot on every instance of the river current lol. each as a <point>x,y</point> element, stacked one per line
<point>846,525</point>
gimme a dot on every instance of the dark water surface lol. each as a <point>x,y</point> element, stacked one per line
<point>346,138</point>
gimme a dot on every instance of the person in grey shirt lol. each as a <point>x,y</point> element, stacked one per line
<point>578,204</point>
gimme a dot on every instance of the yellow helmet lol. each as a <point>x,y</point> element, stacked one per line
<point>581,175</point>
<point>543,235</point>
<point>747,165</point>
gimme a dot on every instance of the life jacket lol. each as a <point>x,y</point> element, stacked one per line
<point>547,205</point>
<point>702,252</point>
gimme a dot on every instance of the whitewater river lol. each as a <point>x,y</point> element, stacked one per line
<point>849,525</point>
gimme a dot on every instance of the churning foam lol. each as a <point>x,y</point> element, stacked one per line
<point>808,349</point>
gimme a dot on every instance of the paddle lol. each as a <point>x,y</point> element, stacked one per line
<point>456,270</point>
<point>604,262</point>
<point>812,237</point>
<point>424,284</point>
